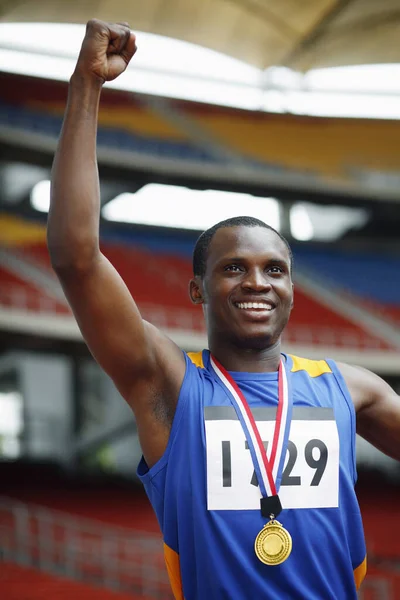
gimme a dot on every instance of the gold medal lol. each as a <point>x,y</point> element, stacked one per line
<point>273,544</point>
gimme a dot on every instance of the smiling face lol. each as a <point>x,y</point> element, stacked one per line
<point>247,290</point>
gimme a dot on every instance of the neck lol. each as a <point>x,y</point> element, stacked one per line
<point>252,360</point>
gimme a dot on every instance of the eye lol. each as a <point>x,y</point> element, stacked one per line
<point>275,269</point>
<point>233,268</point>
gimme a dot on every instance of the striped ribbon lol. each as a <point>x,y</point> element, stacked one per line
<point>268,468</point>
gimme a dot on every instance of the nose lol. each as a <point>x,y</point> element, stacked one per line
<point>256,281</point>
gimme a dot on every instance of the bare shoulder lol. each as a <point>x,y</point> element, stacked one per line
<point>365,387</point>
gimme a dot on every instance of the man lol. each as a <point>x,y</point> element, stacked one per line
<point>248,453</point>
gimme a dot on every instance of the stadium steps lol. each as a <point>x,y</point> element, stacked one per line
<point>389,312</point>
<point>199,135</point>
<point>318,324</point>
<point>24,266</point>
<point>326,294</point>
<point>20,295</point>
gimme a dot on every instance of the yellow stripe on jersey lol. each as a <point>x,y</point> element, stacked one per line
<point>314,368</point>
<point>196,358</point>
<point>359,573</point>
<point>174,571</point>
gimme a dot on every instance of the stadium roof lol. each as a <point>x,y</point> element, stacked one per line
<point>299,35</point>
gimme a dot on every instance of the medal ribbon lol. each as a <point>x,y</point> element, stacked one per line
<point>268,469</point>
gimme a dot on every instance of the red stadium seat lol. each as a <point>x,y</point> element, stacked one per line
<point>23,583</point>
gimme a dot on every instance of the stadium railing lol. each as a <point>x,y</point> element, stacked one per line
<point>83,550</point>
<point>114,558</point>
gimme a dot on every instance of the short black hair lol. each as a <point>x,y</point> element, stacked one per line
<point>200,251</point>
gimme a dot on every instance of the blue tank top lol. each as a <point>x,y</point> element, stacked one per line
<point>204,490</point>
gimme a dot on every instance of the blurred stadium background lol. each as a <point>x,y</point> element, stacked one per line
<point>288,111</point>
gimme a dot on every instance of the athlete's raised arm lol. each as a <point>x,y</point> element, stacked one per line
<point>377,408</point>
<point>146,366</point>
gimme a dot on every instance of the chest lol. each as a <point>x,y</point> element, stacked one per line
<point>320,426</point>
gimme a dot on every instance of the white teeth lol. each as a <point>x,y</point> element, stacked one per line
<point>248,305</point>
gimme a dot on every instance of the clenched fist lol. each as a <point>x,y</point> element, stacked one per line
<point>106,50</point>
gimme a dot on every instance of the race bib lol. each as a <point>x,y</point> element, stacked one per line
<point>310,477</point>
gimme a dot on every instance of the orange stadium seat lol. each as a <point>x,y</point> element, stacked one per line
<point>295,141</point>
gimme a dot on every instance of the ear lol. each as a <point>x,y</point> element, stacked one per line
<point>292,305</point>
<point>195,291</point>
